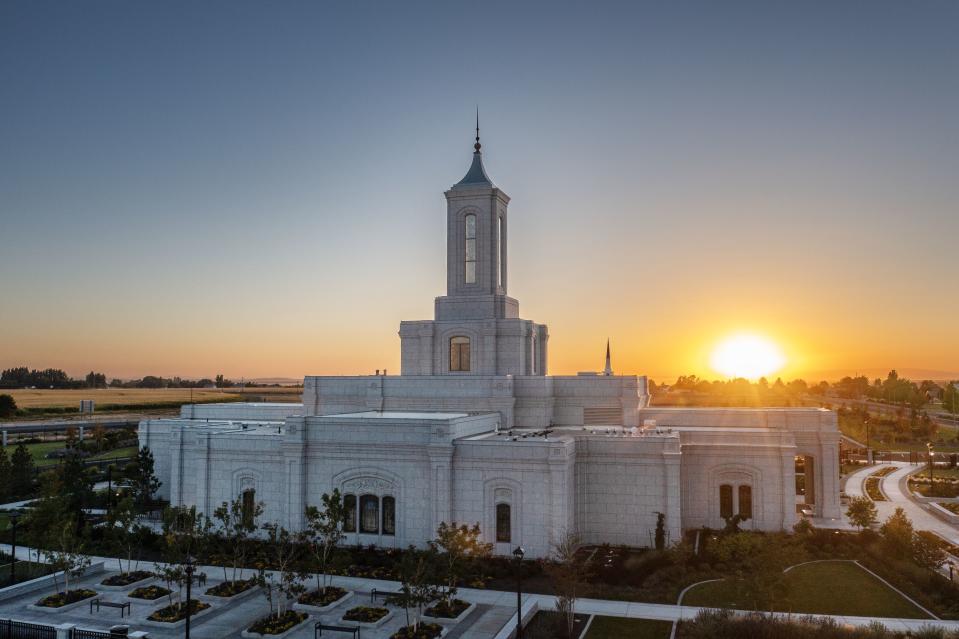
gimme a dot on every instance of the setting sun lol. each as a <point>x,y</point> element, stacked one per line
<point>748,356</point>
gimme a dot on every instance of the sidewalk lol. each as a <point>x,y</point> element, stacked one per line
<point>604,607</point>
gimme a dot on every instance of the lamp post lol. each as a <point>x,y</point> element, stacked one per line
<point>932,483</point>
<point>190,565</point>
<point>14,516</point>
<point>865,420</point>
<point>518,556</point>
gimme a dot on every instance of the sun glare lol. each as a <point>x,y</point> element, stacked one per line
<point>749,356</point>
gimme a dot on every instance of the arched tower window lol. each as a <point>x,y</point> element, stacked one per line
<point>460,354</point>
<point>503,530</point>
<point>470,253</point>
<point>248,508</point>
<point>369,514</point>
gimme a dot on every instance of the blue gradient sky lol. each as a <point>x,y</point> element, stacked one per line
<point>256,188</point>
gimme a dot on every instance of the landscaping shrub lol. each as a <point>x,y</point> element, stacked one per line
<point>127,578</point>
<point>149,593</point>
<point>725,624</point>
<point>365,614</point>
<point>65,598</point>
<point>177,611</point>
<point>231,588</point>
<point>276,624</point>
<point>425,631</point>
<point>320,598</point>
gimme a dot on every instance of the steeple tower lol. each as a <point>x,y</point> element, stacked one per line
<point>608,371</point>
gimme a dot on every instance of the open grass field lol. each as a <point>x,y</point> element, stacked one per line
<point>39,452</point>
<point>827,588</point>
<point>54,398</point>
<point>618,627</point>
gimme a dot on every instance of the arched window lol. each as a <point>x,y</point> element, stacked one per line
<point>499,251</point>
<point>459,353</point>
<point>389,515</point>
<point>503,531</point>
<point>349,513</point>
<point>725,501</point>
<point>470,255</point>
<point>248,508</point>
<point>369,514</point>
<point>746,502</point>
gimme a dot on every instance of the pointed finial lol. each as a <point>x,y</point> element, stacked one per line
<point>609,369</point>
<point>477,146</point>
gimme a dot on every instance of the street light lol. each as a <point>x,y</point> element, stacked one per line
<point>865,420</point>
<point>932,483</point>
<point>518,556</point>
<point>14,516</point>
<point>190,565</point>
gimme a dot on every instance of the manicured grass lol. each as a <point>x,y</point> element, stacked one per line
<point>619,627</point>
<point>941,473</point>
<point>826,588</point>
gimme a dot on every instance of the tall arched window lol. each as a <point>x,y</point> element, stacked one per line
<point>725,501</point>
<point>369,514</point>
<point>389,515</point>
<point>746,502</point>
<point>503,530</point>
<point>532,355</point>
<point>459,353</point>
<point>349,513</point>
<point>499,251</point>
<point>470,254</point>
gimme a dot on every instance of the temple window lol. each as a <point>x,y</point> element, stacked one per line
<point>389,515</point>
<point>248,507</point>
<point>746,502</point>
<point>460,354</point>
<point>499,251</point>
<point>725,501</point>
<point>369,514</point>
<point>503,523</point>
<point>349,513</point>
<point>470,255</point>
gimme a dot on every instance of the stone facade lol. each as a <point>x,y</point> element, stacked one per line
<point>474,430</point>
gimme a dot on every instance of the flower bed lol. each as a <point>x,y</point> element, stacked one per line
<point>276,626</point>
<point>127,578</point>
<point>149,593</point>
<point>322,600</point>
<point>950,506</point>
<point>368,616</point>
<point>934,487</point>
<point>425,631</point>
<point>62,599</point>
<point>453,611</point>
<point>229,589</point>
<point>177,612</point>
<point>872,489</point>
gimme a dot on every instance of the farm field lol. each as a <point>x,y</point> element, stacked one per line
<point>57,398</point>
<point>851,591</point>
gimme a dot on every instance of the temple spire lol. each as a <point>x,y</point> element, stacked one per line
<point>477,146</point>
<point>608,370</point>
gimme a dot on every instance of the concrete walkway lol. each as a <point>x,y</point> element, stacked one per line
<point>664,612</point>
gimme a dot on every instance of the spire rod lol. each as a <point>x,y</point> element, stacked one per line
<point>609,369</point>
<point>477,146</point>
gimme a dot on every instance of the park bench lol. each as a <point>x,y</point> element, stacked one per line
<point>200,579</point>
<point>383,593</point>
<point>320,627</point>
<point>110,604</point>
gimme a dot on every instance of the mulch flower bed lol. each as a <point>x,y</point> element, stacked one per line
<point>231,588</point>
<point>176,612</point>
<point>448,609</point>
<point>365,614</point>
<point>66,598</point>
<point>127,578</point>
<point>425,631</point>
<point>274,625</point>
<point>320,598</point>
<point>149,593</point>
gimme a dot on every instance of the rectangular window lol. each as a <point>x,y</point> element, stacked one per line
<point>349,513</point>
<point>725,501</point>
<point>503,532</point>
<point>460,354</point>
<point>249,505</point>
<point>369,514</point>
<point>389,515</point>
<point>746,502</point>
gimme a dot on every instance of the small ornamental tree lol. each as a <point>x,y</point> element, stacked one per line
<point>65,553</point>
<point>186,533</point>
<point>324,530</point>
<point>21,471</point>
<point>898,533</point>
<point>457,545</point>
<point>236,525</point>
<point>660,540</point>
<point>282,551</point>
<point>862,512</point>
<point>123,532</point>
<point>8,406</point>
<point>566,573</point>
<point>417,573</point>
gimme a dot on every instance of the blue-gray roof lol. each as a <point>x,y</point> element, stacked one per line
<point>477,174</point>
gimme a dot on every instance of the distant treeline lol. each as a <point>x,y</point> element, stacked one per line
<point>23,377</point>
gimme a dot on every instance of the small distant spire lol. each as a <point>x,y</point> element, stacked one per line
<point>477,146</point>
<point>609,369</point>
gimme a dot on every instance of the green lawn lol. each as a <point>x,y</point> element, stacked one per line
<point>827,588</point>
<point>619,628</point>
<point>39,452</point>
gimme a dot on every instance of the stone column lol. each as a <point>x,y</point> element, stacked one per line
<point>176,465</point>
<point>202,472</point>
<point>827,494</point>
<point>441,484</point>
<point>673,503</point>
<point>296,469</point>
<point>788,502</point>
<point>562,487</point>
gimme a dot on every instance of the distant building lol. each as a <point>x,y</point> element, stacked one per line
<point>474,430</point>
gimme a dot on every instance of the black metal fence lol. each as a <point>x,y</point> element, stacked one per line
<point>10,629</point>
<point>80,633</point>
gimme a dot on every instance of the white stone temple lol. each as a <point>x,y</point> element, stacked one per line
<point>474,430</point>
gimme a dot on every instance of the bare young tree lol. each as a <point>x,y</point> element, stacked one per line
<point>566,572</point>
